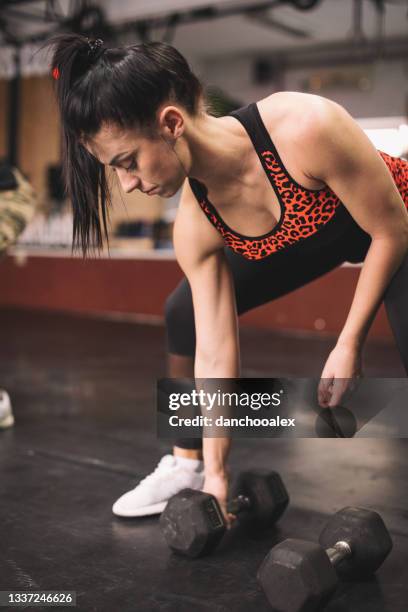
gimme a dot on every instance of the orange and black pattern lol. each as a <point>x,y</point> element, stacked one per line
<point>303,212</point>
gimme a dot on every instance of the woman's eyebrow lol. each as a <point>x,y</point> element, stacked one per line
<point>115,160</point>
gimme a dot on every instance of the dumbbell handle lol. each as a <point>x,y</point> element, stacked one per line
<point>341,550</point>
<point>239,504</point>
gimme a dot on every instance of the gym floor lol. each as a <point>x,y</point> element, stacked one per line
<point>83,397</point>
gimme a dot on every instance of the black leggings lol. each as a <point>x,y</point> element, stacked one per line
<point>259,282</point>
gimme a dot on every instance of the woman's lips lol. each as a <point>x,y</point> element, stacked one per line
<point>152,191</point>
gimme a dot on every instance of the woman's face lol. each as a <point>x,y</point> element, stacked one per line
<point>148,164</point>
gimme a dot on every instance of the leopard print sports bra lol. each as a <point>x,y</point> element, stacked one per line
<point>307,215</point>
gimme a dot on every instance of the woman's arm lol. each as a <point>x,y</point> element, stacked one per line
<point>199,251</point>
<point>341,155</point>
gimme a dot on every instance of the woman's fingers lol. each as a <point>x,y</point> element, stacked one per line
<point>324,391</point>
<point>338,389</point>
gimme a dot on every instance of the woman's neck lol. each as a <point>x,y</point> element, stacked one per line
<point>218,150</point>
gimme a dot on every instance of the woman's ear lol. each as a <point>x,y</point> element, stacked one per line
<point>171,123</point>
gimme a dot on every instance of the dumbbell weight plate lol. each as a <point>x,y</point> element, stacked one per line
<point>268,495</point>
<point>297,576</point>
<point>192,524</point>
<point>368,536</point>
<point>336,422</point>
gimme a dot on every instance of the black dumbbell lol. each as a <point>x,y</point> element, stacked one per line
<point>301,576</point>
<point>193,524</point>
<point>336,422</point>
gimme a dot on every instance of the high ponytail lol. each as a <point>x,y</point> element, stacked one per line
<point>84,176</point>
<point>123,86</point>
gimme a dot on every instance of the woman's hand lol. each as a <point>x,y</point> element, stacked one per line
<point>340,374</point>
<point>217,485</point>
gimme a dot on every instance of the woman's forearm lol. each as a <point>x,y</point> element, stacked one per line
<point>215,456</point>
<point>220,359</point>
<point>383,259</point>
<point>223,363</point>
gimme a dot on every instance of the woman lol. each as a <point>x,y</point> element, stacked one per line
<point>293,175</point>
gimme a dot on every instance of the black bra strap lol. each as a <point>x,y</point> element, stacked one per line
<point>252,121</point>
<point>198,189</point>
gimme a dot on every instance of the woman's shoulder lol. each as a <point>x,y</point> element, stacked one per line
<point>292,110</point>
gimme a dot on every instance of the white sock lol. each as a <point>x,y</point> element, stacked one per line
<point>194,465</point>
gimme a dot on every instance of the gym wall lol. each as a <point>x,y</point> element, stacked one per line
<point>31,277</point>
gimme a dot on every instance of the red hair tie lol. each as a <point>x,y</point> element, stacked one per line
<point>56,73</point>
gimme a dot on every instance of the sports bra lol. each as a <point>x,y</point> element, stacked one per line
<point>310,218</point>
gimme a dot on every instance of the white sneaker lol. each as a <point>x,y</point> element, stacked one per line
<point>153,492</point>
<point>6,415</point>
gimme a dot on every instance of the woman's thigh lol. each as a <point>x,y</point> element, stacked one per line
<point>260,282</point>
<point>396,306</point>
<point>255,283</point>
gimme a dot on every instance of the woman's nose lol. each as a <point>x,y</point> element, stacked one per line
<point>128,182</point>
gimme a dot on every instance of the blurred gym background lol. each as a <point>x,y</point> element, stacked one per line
<point>351,51</point>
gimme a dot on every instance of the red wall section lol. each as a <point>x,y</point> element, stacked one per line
<point>140,286</point>
<point>94,285</point>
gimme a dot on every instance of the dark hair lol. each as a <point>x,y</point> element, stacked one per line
<point>124,86</point>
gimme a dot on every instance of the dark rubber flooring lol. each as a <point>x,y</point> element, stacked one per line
<point>83,395</point>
